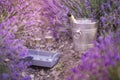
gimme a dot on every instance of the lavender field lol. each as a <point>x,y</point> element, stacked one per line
<point>45,25</point>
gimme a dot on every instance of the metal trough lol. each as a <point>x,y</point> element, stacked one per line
<point>42,58</point>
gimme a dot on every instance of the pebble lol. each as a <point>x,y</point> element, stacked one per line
<point>32,76</point>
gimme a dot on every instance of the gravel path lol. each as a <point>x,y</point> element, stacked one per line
<point>69,59</point>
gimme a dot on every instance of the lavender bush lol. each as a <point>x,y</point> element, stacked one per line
<point>55,13</point>
<point>30,17</point>
<point>98,63</point>
<point>105,11</point>
<point>35,19</point>
<point>11,49</point>
<point>102,61</point>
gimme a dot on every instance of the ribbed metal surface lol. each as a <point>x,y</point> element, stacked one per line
<point>42,58</point>
<point>83,33</point>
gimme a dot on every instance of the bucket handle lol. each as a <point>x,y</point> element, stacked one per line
<point>77,35</point>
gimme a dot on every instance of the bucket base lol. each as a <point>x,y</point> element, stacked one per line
<point>83,48</point>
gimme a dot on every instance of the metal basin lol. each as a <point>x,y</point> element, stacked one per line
<point>42,58</point>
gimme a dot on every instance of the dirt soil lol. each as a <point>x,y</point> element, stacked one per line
<point>69,58</point>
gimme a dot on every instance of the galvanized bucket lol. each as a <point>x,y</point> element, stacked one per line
<point>83,33</point>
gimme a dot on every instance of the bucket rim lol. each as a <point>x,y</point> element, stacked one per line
<point>91,21</point>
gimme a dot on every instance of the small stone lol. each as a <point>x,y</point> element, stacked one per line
<point>7,60</point>
<point>23,74</point>
<point>42,46</point>
<point>61,46</point>
<point>72,51</point>
<point>42,72</point>
<point>32,76</point>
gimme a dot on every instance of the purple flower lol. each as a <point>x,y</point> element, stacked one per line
<point>103,9</point>
<point>103,20</point>
<point>108,5</point>
<point>75,71</point>
<point>27,78</point>
<point>87,5</point>
<point>118,22</point>
<point>5,76</point>
<point>9,48</point>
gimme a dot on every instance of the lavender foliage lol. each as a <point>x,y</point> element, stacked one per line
<point>11,49</point>
<point>55,13</point>
<point>102,61</point>
<point>99,63</point>
<point>52,14</point>
<point>105,11</point>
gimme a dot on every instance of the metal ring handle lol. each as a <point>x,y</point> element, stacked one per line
<point>77,35</point>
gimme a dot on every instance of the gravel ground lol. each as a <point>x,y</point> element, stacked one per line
<point>69,58</point>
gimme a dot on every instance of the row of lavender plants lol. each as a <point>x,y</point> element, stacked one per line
<point>55,13</point>
<point>11,48</point>
<point>21,20</point>
<point>54,16</point>
<point>102,61</point>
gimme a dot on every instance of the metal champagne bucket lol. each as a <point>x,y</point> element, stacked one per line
<point>83,33</point>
